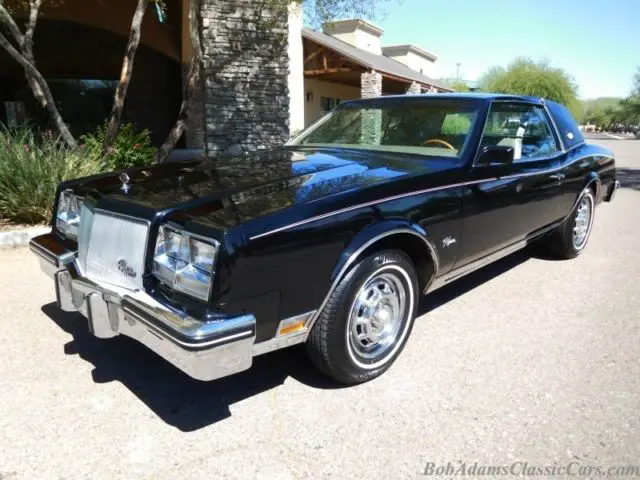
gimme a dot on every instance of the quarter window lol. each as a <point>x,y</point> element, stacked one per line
<point>523,127</point>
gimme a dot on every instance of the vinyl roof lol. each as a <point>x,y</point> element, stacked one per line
<point>370,60</point>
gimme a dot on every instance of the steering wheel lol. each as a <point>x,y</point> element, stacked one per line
<point>437,140</point>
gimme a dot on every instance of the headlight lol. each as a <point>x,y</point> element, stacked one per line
<point>185,263</point>
<point>68,214</point>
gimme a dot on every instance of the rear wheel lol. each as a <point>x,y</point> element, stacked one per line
<point>367,319</point>
<point>572,235</point>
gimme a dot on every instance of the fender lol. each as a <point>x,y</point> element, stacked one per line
<point>368,237</point>
<point>376,232</point>
<point>589,179</point>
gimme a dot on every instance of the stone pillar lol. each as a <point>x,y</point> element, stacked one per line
<point>370,84</point>
<point>246,69</point>
<point>296,69</point>
<point>414,89</point>
<point>371,125</point>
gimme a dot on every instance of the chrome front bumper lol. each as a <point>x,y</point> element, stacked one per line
<point>203,350</point>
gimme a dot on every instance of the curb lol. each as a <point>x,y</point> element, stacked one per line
<point>20,237</point>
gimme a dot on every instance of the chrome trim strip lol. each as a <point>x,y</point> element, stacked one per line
<point>42,247</point>
<point>418,192</point>
<point>354,256</point>
<point>368,204</point>
<point>473,266</point>
<point>186,326</point>
<point>484,261</point>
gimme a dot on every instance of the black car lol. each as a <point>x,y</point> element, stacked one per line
<point>329,240</point>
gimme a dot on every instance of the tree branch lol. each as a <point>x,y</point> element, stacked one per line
<point>192,83</point>
<point>125,75</point>
<point>31,25</point>
<point>6,17</point>
<point>50,105</point>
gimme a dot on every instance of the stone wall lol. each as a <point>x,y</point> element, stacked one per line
<point>246,68</point>
<point>414,89</point>
<point>370,84</point>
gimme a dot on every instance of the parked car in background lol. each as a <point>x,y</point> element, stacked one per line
<point>330,240</point>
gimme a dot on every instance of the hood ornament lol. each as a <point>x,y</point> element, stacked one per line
<point>125,179</point>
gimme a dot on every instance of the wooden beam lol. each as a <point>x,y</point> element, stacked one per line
<point>324,71</point>
<point>313,55</point>
<point>398,79</point>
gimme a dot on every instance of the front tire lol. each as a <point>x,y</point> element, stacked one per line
<point>367,320</point>
<point>571,237</point>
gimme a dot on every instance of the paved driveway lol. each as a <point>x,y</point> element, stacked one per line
<point>527,360</point>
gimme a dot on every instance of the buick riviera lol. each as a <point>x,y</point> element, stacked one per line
<point>329,240</point>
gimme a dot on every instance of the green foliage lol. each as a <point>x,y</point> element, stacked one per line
<point>318,12</point>
<point>523,76</point>
<point>131,148</point>
<point>456,124</point>
<point>459,86</point>
<point>31,167</point>
<point>600,111</point>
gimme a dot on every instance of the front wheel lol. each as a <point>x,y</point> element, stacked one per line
<point>572,235</point>
<point>367,319</point>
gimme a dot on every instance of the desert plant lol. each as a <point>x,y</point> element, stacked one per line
<point>31,167</point>
<point>131,148</point>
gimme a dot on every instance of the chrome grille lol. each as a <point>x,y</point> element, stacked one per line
<point>112,248</point>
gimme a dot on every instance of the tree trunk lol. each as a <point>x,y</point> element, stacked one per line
<point>26,59</point>
<point>125,75</point>
<point>178,129</point>
<point>191,85</point>
<point>39,80</point>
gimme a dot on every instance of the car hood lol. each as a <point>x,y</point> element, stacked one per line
<point>229,190</point>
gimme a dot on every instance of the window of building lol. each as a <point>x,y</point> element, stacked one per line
<point>328,103</point>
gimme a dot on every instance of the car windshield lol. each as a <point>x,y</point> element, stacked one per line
<point>425,127</point>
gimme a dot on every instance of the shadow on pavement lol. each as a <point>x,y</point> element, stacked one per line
<point>629,177</point>
<point>189,404</point>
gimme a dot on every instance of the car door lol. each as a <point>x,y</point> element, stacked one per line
<point>509,201</point>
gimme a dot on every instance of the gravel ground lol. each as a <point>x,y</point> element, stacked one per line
<point>527,360</point>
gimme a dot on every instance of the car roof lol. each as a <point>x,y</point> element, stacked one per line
<point>459,96</point>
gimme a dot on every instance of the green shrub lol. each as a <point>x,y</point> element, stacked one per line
<point>31,167</point>
<point>456,124</point>
<point>132,148</point>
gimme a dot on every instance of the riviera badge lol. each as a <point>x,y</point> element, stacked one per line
<point>126,269</point>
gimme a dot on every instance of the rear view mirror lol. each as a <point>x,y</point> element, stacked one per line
<point>496,154</point>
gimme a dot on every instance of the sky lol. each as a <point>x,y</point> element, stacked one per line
<point>596,41</point>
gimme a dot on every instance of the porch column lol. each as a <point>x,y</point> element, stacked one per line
<point>194,136</point>
<point>370,84</point>
<point>371,125</point>
<point>246,69</point>
<point>414,89</point>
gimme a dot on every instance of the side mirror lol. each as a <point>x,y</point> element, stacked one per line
<point>496,155</point>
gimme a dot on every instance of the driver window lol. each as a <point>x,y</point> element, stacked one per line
<point>523,127</point>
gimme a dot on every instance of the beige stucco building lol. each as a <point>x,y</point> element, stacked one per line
<point>331,64</point>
